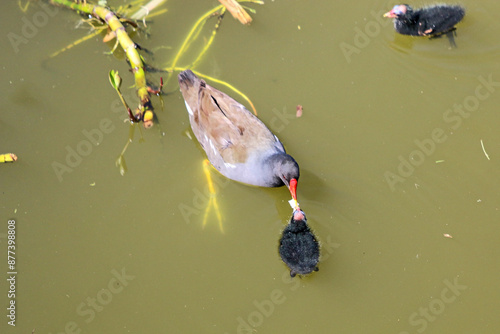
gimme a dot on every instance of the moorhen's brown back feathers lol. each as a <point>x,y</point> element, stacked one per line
<point>224,121</point>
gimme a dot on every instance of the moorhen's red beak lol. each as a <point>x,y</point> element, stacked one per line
<point>390,14</point>
<point>292,186</point>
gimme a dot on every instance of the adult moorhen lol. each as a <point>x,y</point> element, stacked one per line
<point>299,248</point>
<point>236,142</point>
<point>428,21</point>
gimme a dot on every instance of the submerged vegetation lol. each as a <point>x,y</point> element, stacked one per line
<point>133,17</point>
<point>120,23</point>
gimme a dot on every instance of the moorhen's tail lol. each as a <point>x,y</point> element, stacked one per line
<point>187,78</point>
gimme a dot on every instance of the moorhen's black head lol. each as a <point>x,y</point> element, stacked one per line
<point>284,168</point>
<point>285,171</point>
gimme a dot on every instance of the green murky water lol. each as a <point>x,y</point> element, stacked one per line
<point>390,151</point>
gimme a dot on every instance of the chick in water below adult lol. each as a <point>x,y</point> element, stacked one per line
<point>298,247</point>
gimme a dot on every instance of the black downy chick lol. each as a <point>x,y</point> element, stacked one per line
<point>299,248</point>
<point>432,21</point>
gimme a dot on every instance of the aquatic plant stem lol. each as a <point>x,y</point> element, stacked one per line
<point>186,42</point>
<point>135,60</point>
